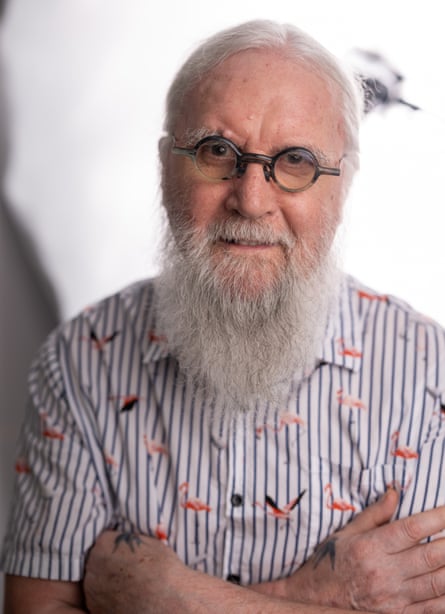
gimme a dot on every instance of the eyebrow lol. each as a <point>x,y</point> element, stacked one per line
<point>193,135</point>
<point>321,156</point>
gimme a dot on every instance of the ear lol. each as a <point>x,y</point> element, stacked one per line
<point>163,144</point>
<point>163,151</point>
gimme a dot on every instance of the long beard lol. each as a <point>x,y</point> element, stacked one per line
<point>245,329</point>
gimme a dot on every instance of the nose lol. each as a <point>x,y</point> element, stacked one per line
<point>252,194</point>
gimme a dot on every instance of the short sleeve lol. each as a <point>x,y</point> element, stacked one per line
<point>60,502</point>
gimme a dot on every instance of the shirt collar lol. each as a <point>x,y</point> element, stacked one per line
<point>157,346</point>
<point>343,345</point>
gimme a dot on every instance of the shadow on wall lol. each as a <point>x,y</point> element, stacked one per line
<point>27,313</point>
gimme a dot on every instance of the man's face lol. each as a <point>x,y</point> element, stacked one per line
<point>249,279</point>
<point>264,103</point>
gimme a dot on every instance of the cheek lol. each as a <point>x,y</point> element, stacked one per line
<point>314,219</point>
<point>176,187</point>
<point>206,203</point>
<point>198,201</point>
<point>332,212</point>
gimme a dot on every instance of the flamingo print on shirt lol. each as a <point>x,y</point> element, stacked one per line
<point>347,400</point>
<point>337,504</point>
<point>401,451</point>
<point>192,503</point>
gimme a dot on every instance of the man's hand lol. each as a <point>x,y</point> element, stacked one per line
<point>123,569</point>
<point>375,565</point>
<point>138,574</point>
<point>370,565</point>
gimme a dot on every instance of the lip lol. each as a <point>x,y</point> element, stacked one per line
<point>246,246</point>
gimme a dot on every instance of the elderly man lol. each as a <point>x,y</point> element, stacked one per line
<point>261,432</point>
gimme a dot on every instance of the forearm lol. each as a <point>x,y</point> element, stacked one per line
<point>33,596</point>
<point>198,593</point>
<point>193,592</point>
<point>371,565</point>
<point>38,608</point>
<point>128,573</point>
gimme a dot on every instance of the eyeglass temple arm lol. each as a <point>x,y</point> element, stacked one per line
<point>184,151</point>
<point>325,170</point>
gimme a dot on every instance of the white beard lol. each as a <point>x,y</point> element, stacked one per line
<point>250,349</point>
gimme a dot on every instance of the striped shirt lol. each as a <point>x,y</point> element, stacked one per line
<point>114,437</point>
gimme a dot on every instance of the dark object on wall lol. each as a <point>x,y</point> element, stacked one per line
<point>377,93</point>
<point>381,81</point>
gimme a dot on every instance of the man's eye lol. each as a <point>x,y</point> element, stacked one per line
<point>219,150</point>
<point>294,159</point>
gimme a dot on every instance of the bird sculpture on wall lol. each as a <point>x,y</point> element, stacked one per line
<point>381,81</point>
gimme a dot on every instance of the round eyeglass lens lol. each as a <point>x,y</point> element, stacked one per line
<point>295,169</point>
<point>216,159</point>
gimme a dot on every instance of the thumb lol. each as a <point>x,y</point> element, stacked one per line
<point>375,515</point>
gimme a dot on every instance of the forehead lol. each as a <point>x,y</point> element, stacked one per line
<point>265,97</point>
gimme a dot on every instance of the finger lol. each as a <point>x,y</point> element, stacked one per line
<point>431,584</point>
<point>421,566</point>
<point>375,515</point>
<point>401,535</point>
<point>407,532</point>
<point>432,606</point>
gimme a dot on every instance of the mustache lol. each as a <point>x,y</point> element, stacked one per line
<point>233,229</point>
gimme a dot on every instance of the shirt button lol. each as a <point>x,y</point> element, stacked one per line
<point>236,500</point>
<point>233,578</point>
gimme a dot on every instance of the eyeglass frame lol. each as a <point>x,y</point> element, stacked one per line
<point>268,162</point>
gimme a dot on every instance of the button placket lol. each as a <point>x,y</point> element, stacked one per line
<point>235,500</point>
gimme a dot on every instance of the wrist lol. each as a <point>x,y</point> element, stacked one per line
<point>279,589</point>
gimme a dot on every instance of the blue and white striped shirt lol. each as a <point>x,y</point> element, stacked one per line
<point>114,437</point>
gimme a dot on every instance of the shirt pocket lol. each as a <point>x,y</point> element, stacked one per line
<point>351,489</point>
<point>425,484</point>
<point>335,494</point>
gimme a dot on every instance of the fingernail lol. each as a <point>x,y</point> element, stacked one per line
<point>388,491</point>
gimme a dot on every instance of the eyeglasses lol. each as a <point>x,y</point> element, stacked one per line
<point>294,169</point>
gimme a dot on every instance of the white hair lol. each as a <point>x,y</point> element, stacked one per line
<point>295,44</point>
<point>248,348</point>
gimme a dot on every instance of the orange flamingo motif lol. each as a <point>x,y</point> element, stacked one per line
<point>337,504</point>
<point>285,419</point>
<point>21,466</point>
<point>128,401</point>
<point>53,433</point>
<point>349,400</point>
<point>161,533</point>
<point>193,503</point>
<point>154,447</point>
<point>284,512</point>
<point>99,344</point>
<point>348,351</point>
<point>111,461</point>
<point>154,338</point>
<point>372,297</point>
<point>288,418</point>
<point>50,432</point>
<point>402,451</point>
<point>398,486</point>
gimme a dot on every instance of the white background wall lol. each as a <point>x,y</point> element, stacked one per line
<point>86,81</point>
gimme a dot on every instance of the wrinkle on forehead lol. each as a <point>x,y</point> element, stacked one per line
<point>264,97</point>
